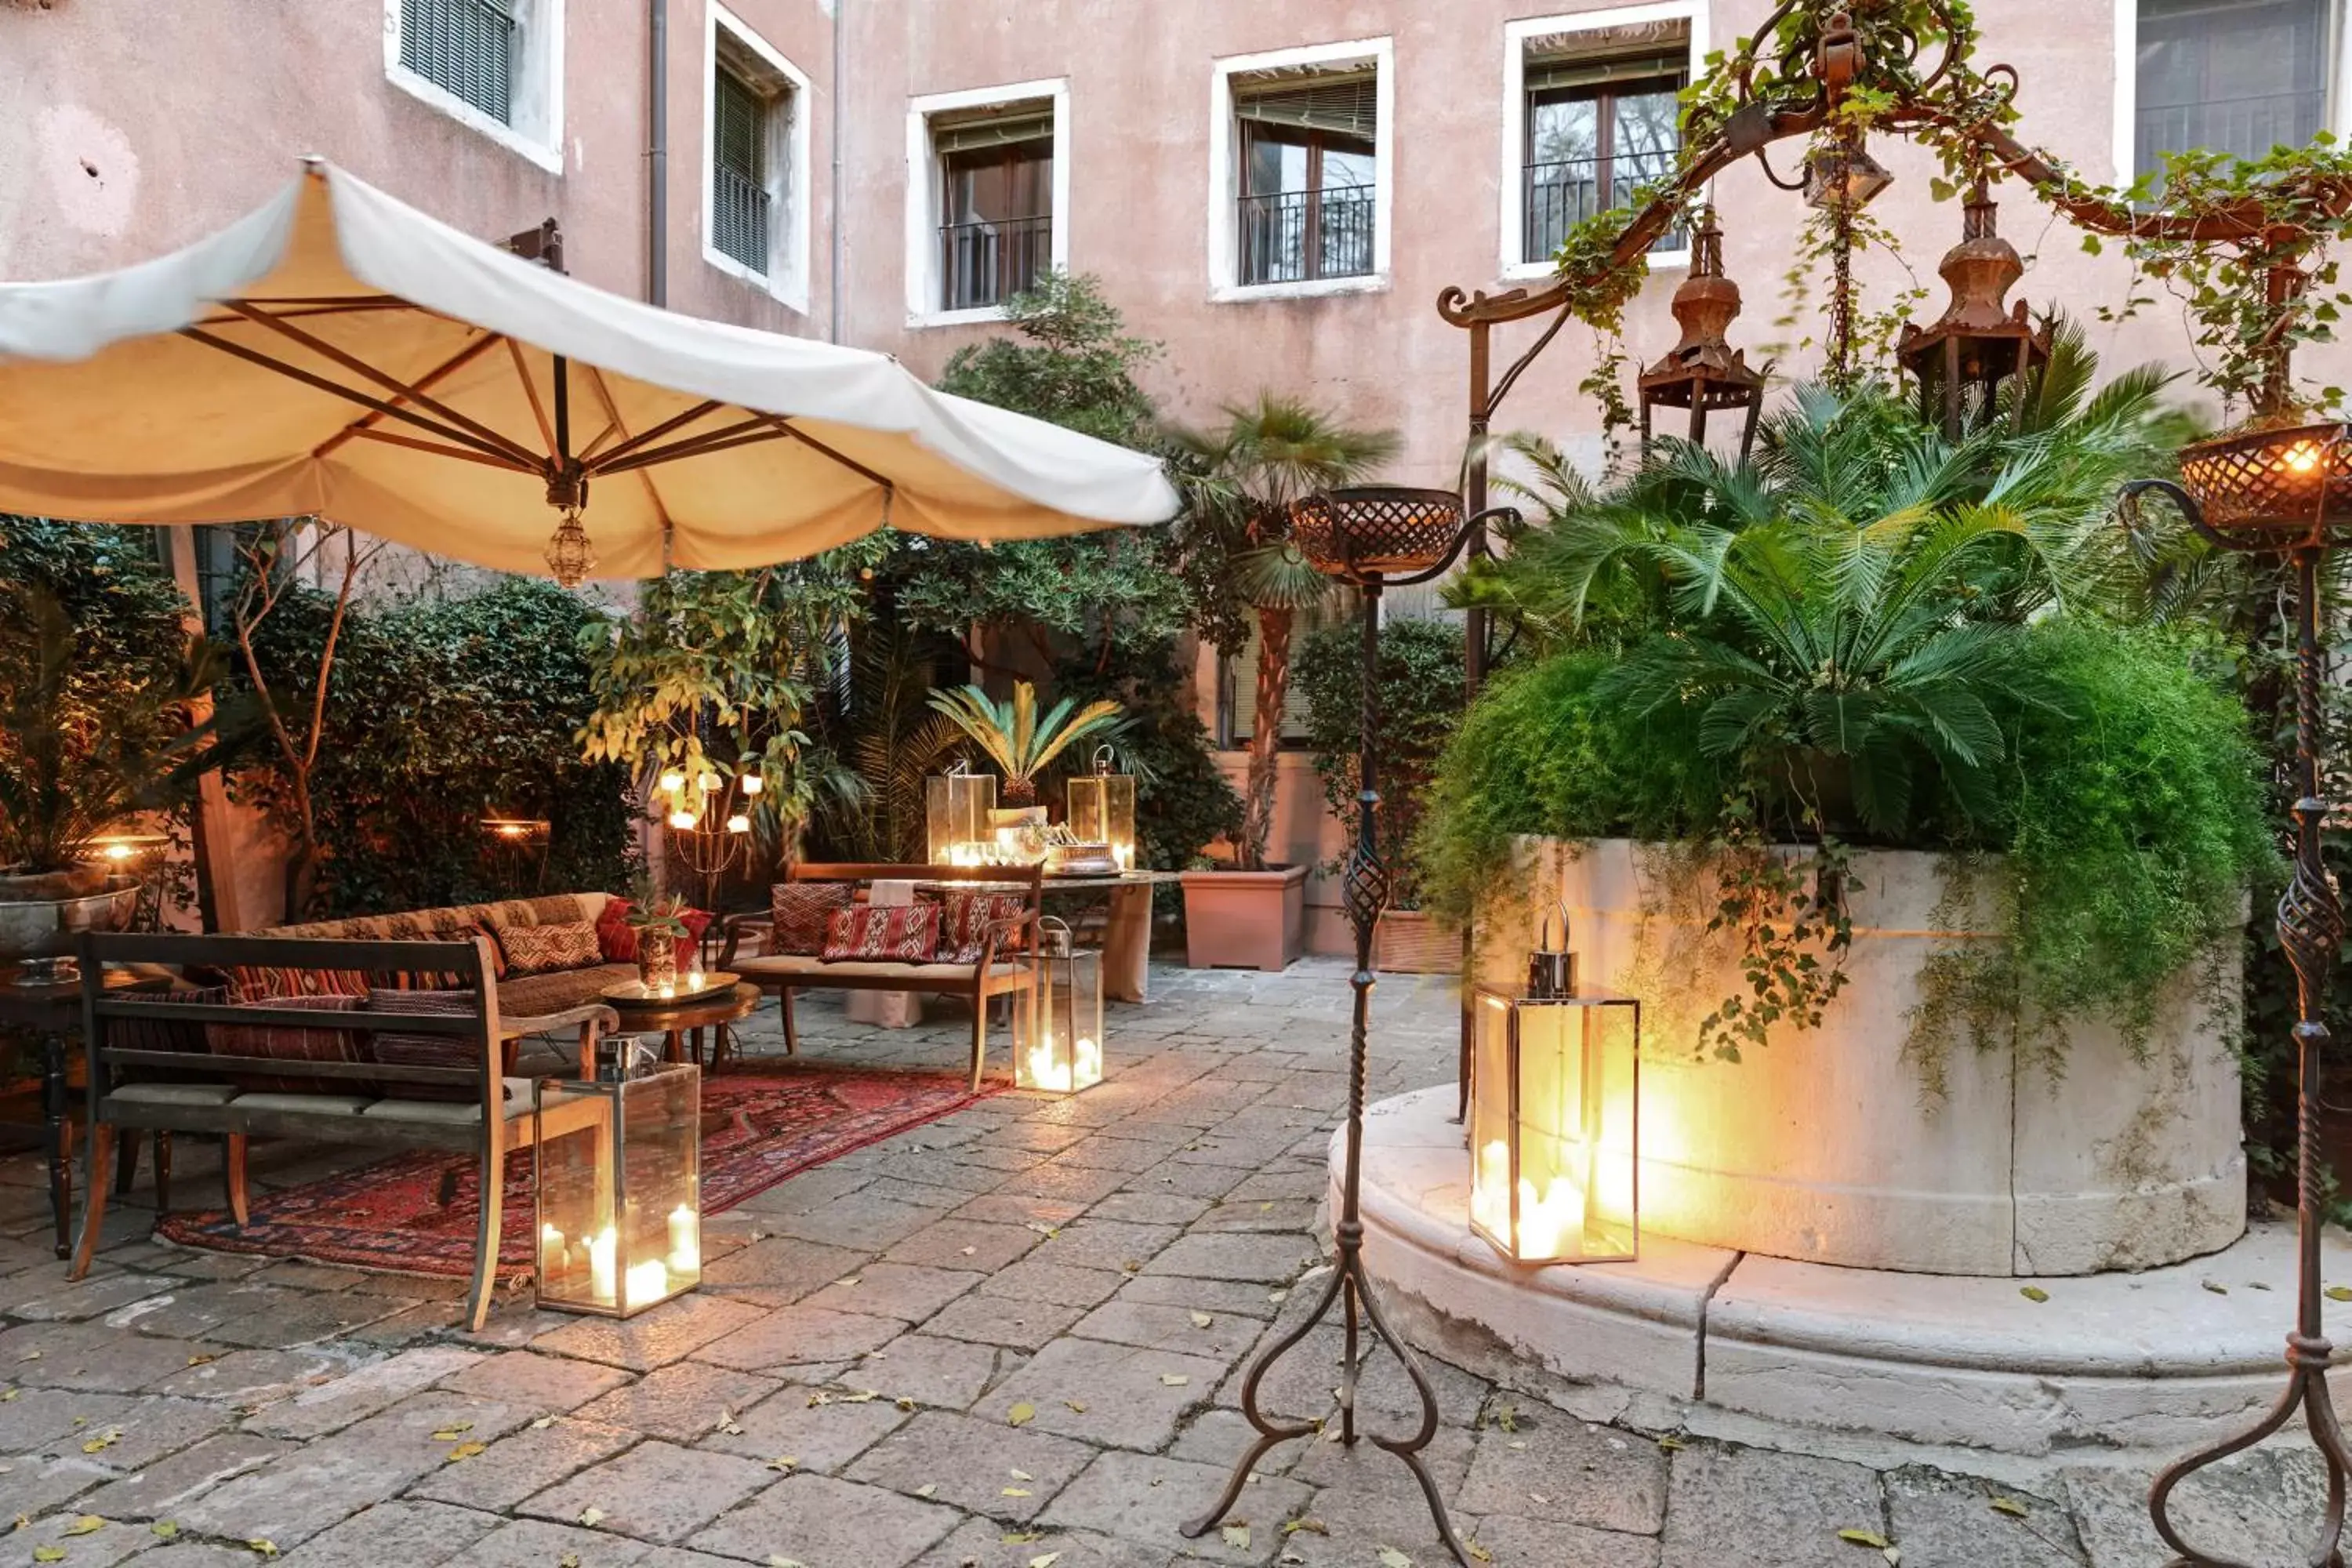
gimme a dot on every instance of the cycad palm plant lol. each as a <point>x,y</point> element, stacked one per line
<point>1020,741</point>
<point>1256,466</point>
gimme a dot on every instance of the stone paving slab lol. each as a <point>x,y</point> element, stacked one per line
<point>821,1520</point>
<point>655,1492</point>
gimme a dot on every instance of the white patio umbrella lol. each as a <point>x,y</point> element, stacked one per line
<point>337,353</point>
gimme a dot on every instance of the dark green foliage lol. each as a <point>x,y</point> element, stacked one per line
<point>444,711</point>
<point>1181,798</point>
<point>1421,700</point>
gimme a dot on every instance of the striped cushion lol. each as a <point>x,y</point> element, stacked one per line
<point>802,913</point>
<point>397,1050</point>
<point>964,919</point>
<point>543,950</point>
<point>294,1043</point>
<point>906,934</point>
<point>252,982</point>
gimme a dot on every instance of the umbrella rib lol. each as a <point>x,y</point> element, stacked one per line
<point>653,495</point>
<point>360,367</point>
<point>620,459</point>
<point>495,460</point>
<point>455,361</point>
<point>656,433</point>
<point>523,375</point>
<point>254,356</point>
<point>802,437</point>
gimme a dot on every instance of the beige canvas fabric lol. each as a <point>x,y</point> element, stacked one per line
<point>109,411</point>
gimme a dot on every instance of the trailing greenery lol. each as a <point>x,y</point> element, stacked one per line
<point>444,712</point>
<point>1420,700</point>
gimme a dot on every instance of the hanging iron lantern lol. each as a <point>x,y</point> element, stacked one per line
<point>1844,175</point>
<point>1704,373</point>
<point>1980,342</point>
<point>1102,810</point>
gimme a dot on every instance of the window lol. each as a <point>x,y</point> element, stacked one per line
<point>494,65</point>
<point>996,211</point>
<point>1591,113</point>
<point>755,218</point>
<point>1299,170</point>
<point>1307,161</point>
<point>1237,676</point>
<point>2238,76</point>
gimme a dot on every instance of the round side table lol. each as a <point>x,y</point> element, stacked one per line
<point>681,1022</point>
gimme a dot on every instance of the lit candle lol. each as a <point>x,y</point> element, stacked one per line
<point>753,784</point>
<point>667,991</point>
<point>694,980</point>
<point>739,823</point>
<point>554,1256</point>
<point>603,1256</point>
<point>648,1282</point>
<point>1089,1069</point>
<point>685,1241</point>
<point>683,821</point>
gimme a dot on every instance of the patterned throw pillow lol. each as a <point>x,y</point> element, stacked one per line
<point>906,934</point>
<point>285,1042</point>
<point>165,1033</point>
<point>254,982</point>
<point>803,913</point>
<point>544,950</point>
<point>965,918</point>
<point>397,1050</point>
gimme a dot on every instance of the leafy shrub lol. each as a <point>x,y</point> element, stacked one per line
<point>1420,690</point>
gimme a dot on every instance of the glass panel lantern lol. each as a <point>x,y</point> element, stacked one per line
<point>1102,810</point>
<point>956,807</point>
<point>1554,1142</point>
<point>620,1199</point>
<point>1062,1050</point>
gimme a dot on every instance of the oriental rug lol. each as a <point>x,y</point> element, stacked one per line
<point>417,1213</point>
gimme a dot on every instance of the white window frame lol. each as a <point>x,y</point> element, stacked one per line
<point>787,277</point>
<point>924,194</point>
<point>2126,147</point>
<point>1224,171</point>
<point>537,134</point>
<point>1515,110</point>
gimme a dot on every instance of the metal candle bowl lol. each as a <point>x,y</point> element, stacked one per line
<point>2289,479</point>
<point>1390,529</point>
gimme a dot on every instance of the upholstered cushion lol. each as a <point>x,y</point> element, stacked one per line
<point>398,1050</point>
<point>252,982</point>
<point>797,966</point>
<point>543,950</point>
<point>536,995</point>
<point>176,1094</point>
<point>405,1106</point>
<point>803,912</point>
<point>906,934</point>
<point>292,1042</point>
<point>965,917</point>
<point>336,1104</point>
<point>162,1034</point>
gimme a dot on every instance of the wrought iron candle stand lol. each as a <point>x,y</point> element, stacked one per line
<point>1371,537</point>
<point>2285,493</point>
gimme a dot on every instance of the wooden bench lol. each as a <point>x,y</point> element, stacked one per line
<point>978,983</point>
<point>165,1092</point>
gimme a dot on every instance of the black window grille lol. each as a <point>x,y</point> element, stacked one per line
<point>1597,131</point>
<point>1310,163</point>
<point>739,171</point>
<point>465,46</point>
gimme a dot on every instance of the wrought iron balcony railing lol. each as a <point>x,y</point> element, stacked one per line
<point>1290,236</point>
<point>1565,192</point>
<point>986,262</point>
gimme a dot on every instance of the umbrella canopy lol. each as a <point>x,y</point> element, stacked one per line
<point>337,353</point>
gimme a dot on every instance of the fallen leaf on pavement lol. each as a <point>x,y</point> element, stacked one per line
<point>164,1527</point>
<point>1392,1558</point>
<point>1306,1522</point>
<point>466,1451</point>
<point>88,1524</point>
<point>1175,1379</point>
<point>1201,1320</point>
<point>452,1431</point>
<point>2033,1293</point>
<point>1021,1414</point>
<point>2010,1505</point>
<point>591,1516</point>
<point>1236,1535</point>
<point>783,1462</point>
<point>1863,1538</point>
<point>1075,1408</point>
<point>103,1441</point>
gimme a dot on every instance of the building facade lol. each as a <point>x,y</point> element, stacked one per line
<point>1275,193</point>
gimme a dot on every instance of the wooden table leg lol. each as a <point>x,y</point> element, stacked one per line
<point>1127,945</point>
<point>53,1118</point>
<point>674,1046</point>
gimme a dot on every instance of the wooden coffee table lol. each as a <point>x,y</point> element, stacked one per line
<point>681,1023</point>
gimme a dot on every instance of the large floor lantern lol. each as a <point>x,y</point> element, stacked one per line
<point>957,805</point>
<point>1370,537</point>
<point>2285,492</point>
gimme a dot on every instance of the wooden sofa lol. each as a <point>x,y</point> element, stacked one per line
<point>1000,971</point>
<point>519,996</point>
<point>476,1108</point>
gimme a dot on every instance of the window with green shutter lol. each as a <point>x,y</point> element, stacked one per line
<point>739,170</point>
<point>466,47</point>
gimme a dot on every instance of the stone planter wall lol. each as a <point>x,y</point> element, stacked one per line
<point>1824,1146</point>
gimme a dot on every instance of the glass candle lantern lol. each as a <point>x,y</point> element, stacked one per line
<point>957,807</point>
<point>1102,810</point>
<point>1062,1049</point>
<point>1555,1147</point>
<point>619,1180</point>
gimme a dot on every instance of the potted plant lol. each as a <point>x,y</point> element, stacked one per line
<point>1022,744</point>
<point>85,743</point>
<point>659,925</point>
<point>1251,471</point>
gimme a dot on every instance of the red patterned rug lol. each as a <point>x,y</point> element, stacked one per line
<point>415,1214</point>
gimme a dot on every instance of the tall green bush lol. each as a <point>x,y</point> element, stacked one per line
<point>1420,690</point>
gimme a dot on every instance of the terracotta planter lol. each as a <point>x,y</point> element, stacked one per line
<point>1407,942</point>
<point>1244,920</point>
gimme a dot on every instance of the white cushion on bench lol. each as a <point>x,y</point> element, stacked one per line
<point>451,1112</point>
<point>176,1094</point>
<point>795,964</point>
<point>316,1104</point>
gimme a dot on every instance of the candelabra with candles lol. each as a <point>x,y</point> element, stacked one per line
<point>2284,492</point>
<point>709,816</point>
<point>1371,537</point>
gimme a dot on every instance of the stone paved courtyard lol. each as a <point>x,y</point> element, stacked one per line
<point>842,1391</point>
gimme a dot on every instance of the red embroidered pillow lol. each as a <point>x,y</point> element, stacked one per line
<point>965,918</point>
<point>252,982</point>
<point>292,1042</point>
<point>544,949</point>
<point>803,913</point>
<point>901,934</point>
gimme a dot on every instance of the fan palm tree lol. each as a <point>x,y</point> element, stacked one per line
<point>1255,467</point>
<point>1015,738</point>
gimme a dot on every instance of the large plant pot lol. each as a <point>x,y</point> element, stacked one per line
<point>1244,920</point>
<point>1829,1145</point>
<point>39,927</point>
<point>1407,942</point>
